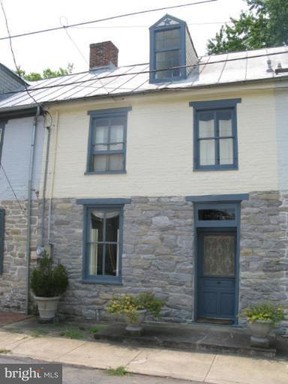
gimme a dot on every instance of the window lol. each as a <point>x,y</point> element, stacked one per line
<point>103,239</point>
<point>2,216</point>
<point>167,50</point>
<point>215,135</point>
<point>107,141</point>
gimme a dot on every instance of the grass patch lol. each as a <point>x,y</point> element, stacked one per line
<point>119,371</point>
<point>94,329</point>
<point>73,333</point>
<point>5,351</point>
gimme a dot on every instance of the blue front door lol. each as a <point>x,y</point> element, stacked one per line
<point>216,280</point>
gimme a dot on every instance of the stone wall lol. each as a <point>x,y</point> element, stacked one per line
<point>14,278</point>
<point>264,249</point>
<point>158,253</point>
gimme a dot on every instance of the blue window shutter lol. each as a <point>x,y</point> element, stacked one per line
<point>2,215</point>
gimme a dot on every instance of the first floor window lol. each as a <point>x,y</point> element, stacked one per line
<point>215,135</point>
<point>2,216</point>
<point>103,239</point>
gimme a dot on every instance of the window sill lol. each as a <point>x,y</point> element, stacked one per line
<point>102,281</point>
<point>212,169</point>
<point>88,173</point>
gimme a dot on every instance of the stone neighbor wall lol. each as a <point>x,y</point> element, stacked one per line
<point>264,249</point>
<point>158,253</point>
<point>14,278</point>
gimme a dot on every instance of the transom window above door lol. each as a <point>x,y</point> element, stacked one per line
<point>215,135</point>
<point>107,141</point>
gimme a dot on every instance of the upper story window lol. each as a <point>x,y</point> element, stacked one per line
<point>167,50</point>
<point>215,135</point>
<point>107,141</point>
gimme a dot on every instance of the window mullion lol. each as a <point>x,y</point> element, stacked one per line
<point>217,138</point>
<point>104,245</point>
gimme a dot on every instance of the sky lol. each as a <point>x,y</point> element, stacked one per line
<point>130,34</point>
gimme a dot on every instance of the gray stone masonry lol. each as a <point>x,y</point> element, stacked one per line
<point>14,278</point>
<point>159,255</point>
<point>264,249</point>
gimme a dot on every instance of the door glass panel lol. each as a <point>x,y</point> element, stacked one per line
<point>218,255</point>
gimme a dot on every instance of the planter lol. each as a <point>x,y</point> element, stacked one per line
<point>259,331</point>
<point>47,307</point>
<point>136,327</point>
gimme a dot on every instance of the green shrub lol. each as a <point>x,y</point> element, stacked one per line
<point>264,311</point>
<point>48,280</point>
<point>128,305</point>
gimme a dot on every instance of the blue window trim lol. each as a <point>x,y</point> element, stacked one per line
<point>214,106</point>
<point>2,234</point>
<point>98,114</point>
<point>2,129</point>
<point>181,25</point>
<point>218,198</point>
<point>218,202</point>
<point>104,203</point>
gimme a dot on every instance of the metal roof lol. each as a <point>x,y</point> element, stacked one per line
<point>215,70</point>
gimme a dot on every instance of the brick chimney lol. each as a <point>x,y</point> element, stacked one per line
<point>103,54</point>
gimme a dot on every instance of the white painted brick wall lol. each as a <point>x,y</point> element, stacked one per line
<point>160,150</point>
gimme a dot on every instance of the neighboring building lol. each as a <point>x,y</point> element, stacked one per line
<point>21,141</point>
<point>169,176</point>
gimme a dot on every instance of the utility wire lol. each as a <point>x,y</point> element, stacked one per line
<point>134,73</point>
<point>104,19</point>
<point>13,54</point>
<point>12,189</point>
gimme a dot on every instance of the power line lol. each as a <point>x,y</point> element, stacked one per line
<point>10,186</point>
<point>13,54</point>
<point>135,73</point>
<point>104,19</point>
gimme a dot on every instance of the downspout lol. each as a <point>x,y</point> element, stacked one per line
<point>55,148</point>
<point>45,186</point>
<point>29,205</point>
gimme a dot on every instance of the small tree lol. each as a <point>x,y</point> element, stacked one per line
<point>264,25</point>
<point>46,73</point>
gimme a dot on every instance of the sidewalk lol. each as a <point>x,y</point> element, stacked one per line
<point>204,367</point>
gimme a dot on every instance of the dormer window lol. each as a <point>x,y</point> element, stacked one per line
<point>169,44</point>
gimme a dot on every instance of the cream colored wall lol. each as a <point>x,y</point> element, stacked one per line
<point>160,149</point>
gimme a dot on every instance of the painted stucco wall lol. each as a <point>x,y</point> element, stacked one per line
<point>160,149</point>
<point>16,158</point>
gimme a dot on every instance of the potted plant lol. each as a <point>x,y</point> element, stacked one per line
<point>134,308</point>
<point>261,319</point>
<point>48,283</point>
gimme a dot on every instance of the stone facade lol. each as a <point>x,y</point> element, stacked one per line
<point>264,249</point>
<point>159,254</point>
<point>13,281</point>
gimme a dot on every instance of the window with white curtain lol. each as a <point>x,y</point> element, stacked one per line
<point>215,134</point>
<point>103,243</point>
<point>107,141</point>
